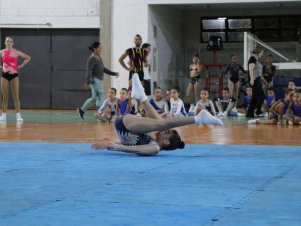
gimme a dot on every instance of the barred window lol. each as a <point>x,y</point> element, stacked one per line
<point>266,28</point>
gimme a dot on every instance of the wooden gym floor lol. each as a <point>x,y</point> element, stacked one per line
<point>66,126</point>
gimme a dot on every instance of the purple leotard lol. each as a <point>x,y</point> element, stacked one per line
<point>127,137</point>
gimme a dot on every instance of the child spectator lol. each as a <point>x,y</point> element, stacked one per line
<point>159,104</point>
<point>176,104</point>
<point>205,103</point>
<point>294,110</point>
<point>269,100</point>
<point>247,101</point>
<point>126,105</point>
<point>232,72</point>
<point>122,96</point>
<point>109,107</point>
<point>291,85</point>
<point>225,103</point>
<point>129,105</point>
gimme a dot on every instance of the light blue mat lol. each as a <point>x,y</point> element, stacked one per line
<point>64,184</point>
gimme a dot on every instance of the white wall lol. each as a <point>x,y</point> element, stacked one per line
<point>128,19</point>
<point>49,13</point>
<point>169,68</point>
<point>133,17</point>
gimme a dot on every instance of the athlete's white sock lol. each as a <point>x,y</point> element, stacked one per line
<point>192,107</point>
<point>18,117</point>
<point>253,121</point>
<point>137,89</point>
<point>204,117</point>
<point>3,117</point>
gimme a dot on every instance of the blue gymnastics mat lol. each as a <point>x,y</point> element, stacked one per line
<point>68,184</point>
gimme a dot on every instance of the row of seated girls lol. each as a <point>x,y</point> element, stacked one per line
<point>113,107</point>
<point>277,112</point>
<point>287,109</point>
<point>171,106</point>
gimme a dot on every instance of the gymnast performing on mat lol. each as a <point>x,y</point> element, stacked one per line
<point>132,130</point>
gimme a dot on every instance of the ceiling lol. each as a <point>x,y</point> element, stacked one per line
<point>220,6</point>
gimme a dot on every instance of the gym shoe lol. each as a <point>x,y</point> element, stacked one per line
<point>19,119</point>
<point>262,114</point>
<point>80,112</point>
<point>234,110</point>
<point>192,107</point>
<point>281,122</point>
<point>204,117</point>
<point>137,89</point>
<point>240,114</point>
<point>253,121</point>
<point>2,118</point>
<point>222,114</point>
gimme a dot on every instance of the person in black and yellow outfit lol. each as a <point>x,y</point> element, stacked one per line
<point>137,59</point>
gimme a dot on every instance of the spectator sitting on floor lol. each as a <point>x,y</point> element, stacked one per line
<point>159,104</point>
<point>107,111</point>
<point>269,100</point>
<point>205,103</point>
<point>225,103</point>
<point>247,100</point>
<point>293,114</point>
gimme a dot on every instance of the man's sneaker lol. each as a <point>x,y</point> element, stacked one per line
<point>204,117</point>
<point>80,112</point>
<point>253,121</point>
<point>137,89</point>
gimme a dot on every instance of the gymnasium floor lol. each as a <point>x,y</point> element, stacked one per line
<point>49,175</point>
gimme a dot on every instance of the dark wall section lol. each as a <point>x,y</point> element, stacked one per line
<point>56,74</point>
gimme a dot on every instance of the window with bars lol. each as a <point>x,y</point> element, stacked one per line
<point>268,29</point>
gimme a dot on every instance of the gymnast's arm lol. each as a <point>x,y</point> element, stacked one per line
<point>149,149</point>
